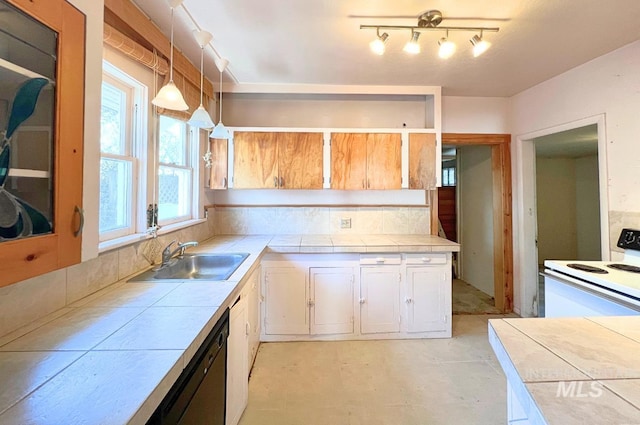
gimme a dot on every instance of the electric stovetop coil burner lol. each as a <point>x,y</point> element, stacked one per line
<point>625,267</point>
<point>587,268</point>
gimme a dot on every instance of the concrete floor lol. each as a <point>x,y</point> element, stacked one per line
<point>402,382</point>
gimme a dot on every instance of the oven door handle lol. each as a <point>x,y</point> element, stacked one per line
<point>567,281</point>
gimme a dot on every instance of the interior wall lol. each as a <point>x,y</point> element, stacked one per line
<point>587,208</point>
<point>488,115</point>
<point>322,111</point>
<point>476,217</point>
<point>556,209</point>
<point>605,87</point>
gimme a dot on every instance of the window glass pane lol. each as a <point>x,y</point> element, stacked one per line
<point>172,147</point>
<point>115,194</point>
<point>112,120</point>
<point>174,189</point>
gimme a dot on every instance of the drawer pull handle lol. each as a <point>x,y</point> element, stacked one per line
<point>426,260</point>
<point>380,260</point>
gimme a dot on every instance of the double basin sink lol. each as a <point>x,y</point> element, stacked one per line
<point>195,267</point>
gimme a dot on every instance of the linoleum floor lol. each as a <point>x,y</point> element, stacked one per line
<point>402,382</point>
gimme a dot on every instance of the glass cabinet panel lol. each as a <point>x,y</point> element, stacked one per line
<point>27,123</point>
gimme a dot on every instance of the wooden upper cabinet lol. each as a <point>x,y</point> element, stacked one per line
<point>348,161</point>
<point>384,161</point>
<point>275,160</point>
<point>219,164</point>
<point>300,160</point>
<point>366,161</point>
<point>422,161</point>
<point>44,233</point>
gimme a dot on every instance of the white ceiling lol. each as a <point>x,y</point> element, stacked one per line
<point>319,41</point>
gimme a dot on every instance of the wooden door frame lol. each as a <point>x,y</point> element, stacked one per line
<point>502,223</point>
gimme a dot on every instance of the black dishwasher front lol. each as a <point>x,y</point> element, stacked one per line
<point>199,395</point>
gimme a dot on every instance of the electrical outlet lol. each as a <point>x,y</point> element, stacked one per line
<point>345,223</point>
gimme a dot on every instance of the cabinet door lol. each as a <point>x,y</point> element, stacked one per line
<point>348,161</point>
<point>253,308</point>
<point>384,161</point>
<point>331,300</point>
<point>40,207</point>
<point>219,164</point>
<point>426,299</point>
<point>422,161</point>
<point>285,301</point>
<point>300,160</point>
<point>255,160</point>
<point>379,299</point>
<point>237,374</point>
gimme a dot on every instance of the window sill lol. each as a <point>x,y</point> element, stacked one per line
<point>131,239</point>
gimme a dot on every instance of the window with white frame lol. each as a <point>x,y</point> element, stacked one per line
<point>175,170</point>
<point>120,119</point>
<point>134,174</point>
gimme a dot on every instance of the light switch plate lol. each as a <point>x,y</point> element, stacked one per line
<point>345,223</point>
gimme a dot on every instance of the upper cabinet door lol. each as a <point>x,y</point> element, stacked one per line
<point>422,161</point>
<point>219,164</point>
<point>42,75</point>
<point>384,161</point>
<point>300,160</point>
<point>348,161</point>
<point>255,160</point>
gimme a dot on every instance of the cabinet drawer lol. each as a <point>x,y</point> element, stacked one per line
<point>430,258</point>
<point>380,259</point>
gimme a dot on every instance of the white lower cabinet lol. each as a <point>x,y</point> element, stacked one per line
<point>356,296</point>
<point>380,299</point>
<point>331,302</point>
<point>237,362</point>
<point>426,303</point>
<point>286,309</point>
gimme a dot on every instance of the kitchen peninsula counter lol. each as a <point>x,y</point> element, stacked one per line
<point>111,357</point>
<point>570,371</point>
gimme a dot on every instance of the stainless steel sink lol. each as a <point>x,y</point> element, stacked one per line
<point>195,267</point>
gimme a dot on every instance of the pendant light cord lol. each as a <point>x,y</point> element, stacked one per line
<point>171,53</point>
<point>220,120</point>
<point>201,72</point>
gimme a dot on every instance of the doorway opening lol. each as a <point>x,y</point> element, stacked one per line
<point>494,151</point>
<point>589,223</point>
<point>567,199</point>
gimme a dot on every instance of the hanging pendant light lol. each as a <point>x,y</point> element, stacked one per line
<point>200,117</point>
<point>169,97</point>
<point>220,131</point>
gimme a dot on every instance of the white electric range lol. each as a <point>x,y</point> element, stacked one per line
<point>595,288</point>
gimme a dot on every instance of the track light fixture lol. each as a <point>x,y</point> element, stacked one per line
<point>377,46</point>
<point>480,45</point>
<point>430,21</point>
<point>412,47</point>
<point>447,47</point>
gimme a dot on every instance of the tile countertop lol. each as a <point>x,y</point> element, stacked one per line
<point>576,370</point>
<point>111,357</point>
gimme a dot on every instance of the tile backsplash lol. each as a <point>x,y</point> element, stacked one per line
<point>321,220</point>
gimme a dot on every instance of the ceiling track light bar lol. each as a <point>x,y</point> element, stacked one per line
<point>430,21</point>
<point>420,29</point>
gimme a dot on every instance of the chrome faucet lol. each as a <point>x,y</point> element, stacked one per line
<point>167,253</point>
